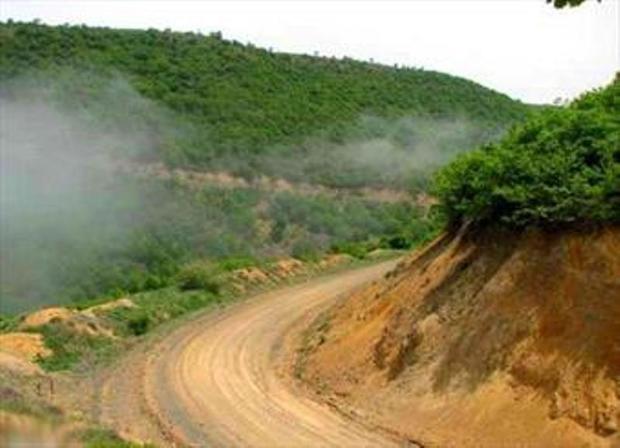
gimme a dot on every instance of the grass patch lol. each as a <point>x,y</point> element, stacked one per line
<point>200,274</point>
<point>234,263</point>
<point>155,307</point>
<point>71,348</point>
<point>105,438</point>
<point>8,323</point>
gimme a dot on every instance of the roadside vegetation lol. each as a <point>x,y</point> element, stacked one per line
<point>150,243</point>
<point>560,167</point>
<point>92,332</point>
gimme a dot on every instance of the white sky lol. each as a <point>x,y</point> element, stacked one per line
<point>524,48</point>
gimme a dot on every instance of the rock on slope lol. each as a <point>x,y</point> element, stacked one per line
<point>485,338</point>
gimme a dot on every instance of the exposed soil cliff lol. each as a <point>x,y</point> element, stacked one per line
<point>484,338</point>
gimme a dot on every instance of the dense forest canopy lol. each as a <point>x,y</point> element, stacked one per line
<point>244,98</point>
<point>560,167</point>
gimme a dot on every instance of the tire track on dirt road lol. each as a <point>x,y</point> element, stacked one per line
<point>219,380</point>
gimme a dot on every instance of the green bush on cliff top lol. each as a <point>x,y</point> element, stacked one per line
<point>561,166</point>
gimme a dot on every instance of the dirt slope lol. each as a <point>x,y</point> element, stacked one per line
<point>485,339</point>
<point>222,379</point>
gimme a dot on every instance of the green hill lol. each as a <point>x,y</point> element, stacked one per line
<point>79,103</point>
<point>248,99</point>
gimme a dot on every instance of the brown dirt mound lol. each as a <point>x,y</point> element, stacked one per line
<point>108,306</point>
<point>46,316</point>
<point>484,339</point>
<point>18,366</point>
<point>288,267</point>
<point>18,430</point>
<point>28,346</point>
<point>252,275</point>
<point>87,321</point>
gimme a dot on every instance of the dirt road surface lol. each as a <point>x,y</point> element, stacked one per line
<point>220,378</point>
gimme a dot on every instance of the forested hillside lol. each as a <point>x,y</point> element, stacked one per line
<point>249,99</point>
<point>85,109</point>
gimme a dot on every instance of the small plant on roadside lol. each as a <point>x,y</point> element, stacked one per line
<point>69,348</point>
<point>139,325</point>
<point>104,438</point>
<point>200,274</point>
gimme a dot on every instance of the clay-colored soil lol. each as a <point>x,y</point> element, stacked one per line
<point>484,339</point>
<point>198,179</point>
<point>46,316</point>
<point>27,346</point>
<point>18,365</point>
<point>22,431</point>
<point>109,306</point>
<point>222,379</point>
<point>87,321</point>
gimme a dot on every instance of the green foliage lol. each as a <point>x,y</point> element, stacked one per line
<point>357,249</point>
<point>139,324</point>
<point>306,250</point>
<point>238,97</point>
<point>562,166</point>
<point>563,3</point>
<point>199,274</point>
<point>206,103</point>
<point>172,226</point>
<point>77,350</point>
<point>155,307</point>
<point>8,322</point>
<point>234,263</point>
<point>104,438</point>
<point>70,348</point>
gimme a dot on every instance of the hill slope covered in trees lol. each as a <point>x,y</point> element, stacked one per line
<point>251,98</point>
<point>79,102</point>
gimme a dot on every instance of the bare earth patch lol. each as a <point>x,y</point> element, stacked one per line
<point>27,346</point>
<point>483,339</point>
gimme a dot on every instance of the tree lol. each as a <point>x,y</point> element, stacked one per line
<point>564,3</point>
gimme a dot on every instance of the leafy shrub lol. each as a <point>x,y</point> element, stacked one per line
<point>139,324</point>
<point>398,242</point>
<point>357,249</point>
<point>562,166</point>
<point>105,438</point>
<point>234,263</point>
<point>69,348</point>
<point>306,250</point>
<point>8,323</point>
<point>155,307</point>
<point>199,274</point>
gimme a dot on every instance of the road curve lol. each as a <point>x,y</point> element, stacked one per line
<point>217,379</point>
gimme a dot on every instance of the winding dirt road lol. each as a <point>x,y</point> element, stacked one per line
<point>221,378</point>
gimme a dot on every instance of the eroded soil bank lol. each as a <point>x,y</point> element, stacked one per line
<point>484,338</point>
